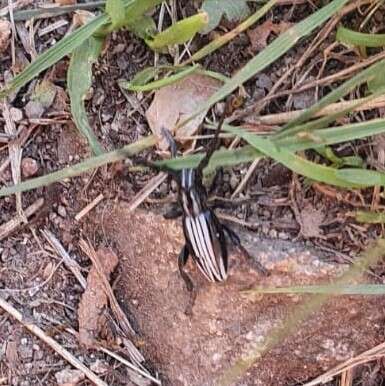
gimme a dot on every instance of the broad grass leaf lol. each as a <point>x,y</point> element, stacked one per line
<point>234,10</point>
<point>47,59</point>
<point>116,11</point>
<point>180,32</point>
<point>79,78</point>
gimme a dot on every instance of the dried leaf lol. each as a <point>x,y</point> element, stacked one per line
<point>5,33</point>
<point>12,355</point>
<point>311,221</point>
<point>259,35</point>
<point>94,299</point>
<point>175,103</point>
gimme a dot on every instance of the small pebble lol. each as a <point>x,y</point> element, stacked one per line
<point>61,210</point>
<point>29,167</point>
<point>24,341</point>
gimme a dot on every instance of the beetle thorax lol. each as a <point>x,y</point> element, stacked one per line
<point>192,201</point>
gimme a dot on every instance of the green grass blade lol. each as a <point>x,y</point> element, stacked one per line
<point>354,38</point>
<point>275,50</point>
<point>222,157</point>
<point>48,58</point>
<point>79,79</point>
<point>332,135</point>
<point>137,8</point>
<point>362,176</point>
<point>332,289</point>
<point>82,167</point>
<point>180,32</point>
<point>362,77</point>
<point>369,217</point>
<point>131,86</point>
<point>295,163</point>
<point>224,39</point>
<point>116,11</point>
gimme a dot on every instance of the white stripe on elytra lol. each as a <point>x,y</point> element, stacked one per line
<point>209,246</point>
<point>183,178</point>
<point>193,238</point>
<point>196,208</point>
<point>204,262</point>
<point>204,251</point>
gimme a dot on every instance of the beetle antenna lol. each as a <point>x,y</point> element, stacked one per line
<point>213,145</point>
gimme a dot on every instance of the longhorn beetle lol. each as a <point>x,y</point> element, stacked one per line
<point>204,234</point>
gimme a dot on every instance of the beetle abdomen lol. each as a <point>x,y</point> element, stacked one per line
<point>207,252</point>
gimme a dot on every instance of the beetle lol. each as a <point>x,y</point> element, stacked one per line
<point>204,234</point>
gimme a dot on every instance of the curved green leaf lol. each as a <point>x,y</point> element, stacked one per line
<point>79,79</point>
<point>354,38</point>
<point>179,33</point>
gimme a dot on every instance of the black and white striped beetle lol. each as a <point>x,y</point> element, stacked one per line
<point>204,233</point>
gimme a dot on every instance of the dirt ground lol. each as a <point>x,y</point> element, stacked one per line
<point>303,234</point>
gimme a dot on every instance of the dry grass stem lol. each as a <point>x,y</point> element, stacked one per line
<point>278,119</point>
<point>147,190</point>
<point>69,262</point>
<point>15,153</point>
<point>89,207</point>
<point>372,354</point>
<point>7,307</point>
<point>9,227</point>
<point>119,314</point>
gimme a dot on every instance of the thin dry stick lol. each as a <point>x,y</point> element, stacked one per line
<point>374,353</point>
<point>246,178</point>
<point>277,119</point>
<point>52,343</point>
<point>89,207</point>
<point>128,364</point>
<point>15,152</point>
<point>69,262</point>
<point>317,41</point>
<point>10,226</point>
<point>343,74</point>
<point>119,314</point>
<point>146,190</point>
<point>103,349</point>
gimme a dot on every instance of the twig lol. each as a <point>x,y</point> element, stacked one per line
<point>246,178</point>
<point>10,226</point>
<point>36,288</point>
<point>374,353</point>
<point>128,364</point>
<point>18,4</point>
<point>45,12</point>
<point>15,153</point>
<point>146,190</point>
<point>52,343</point>
<point>89,207</point>
<point>277,119</point>
<point>105,350</point>
<point>69,262</point>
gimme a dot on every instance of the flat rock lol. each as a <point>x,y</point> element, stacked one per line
<point>226,325</point>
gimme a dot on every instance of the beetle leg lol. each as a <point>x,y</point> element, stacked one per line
<point>170,140</point>
<point>237,241</point>
<point>182,260</point>
<point>174,212</point>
